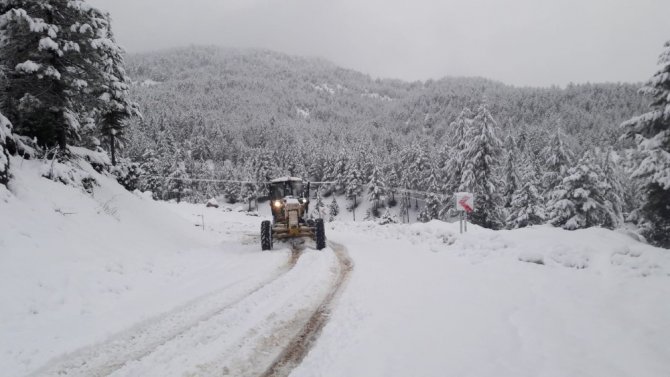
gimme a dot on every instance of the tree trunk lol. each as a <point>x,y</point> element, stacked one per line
<point>58,91</point>
<point>112,148</point>
<point>62,133</point>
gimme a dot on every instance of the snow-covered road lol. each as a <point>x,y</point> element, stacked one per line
<point>259,325</point>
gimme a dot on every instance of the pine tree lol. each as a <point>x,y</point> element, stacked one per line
<point>150,167</point>
<point>55,52</point>
<point>338,173</point>
<point>527,204</point>
<point>376,190</point>
<point>615,194</point>
<point>116,105</point>
<point>405,201</point>
<point>393,181</point>
<point>557,160</point>
<point>5,135</point>
<point>510,173</point>
<point>388,218</point>
<point>232,190</point>
<point>479,171</point>
<point>419,168</point>
<point>580,201</point>
<point>248,188</point>
<point>177,181</point>
<point>462,127</point>
<point>434,202</point>
<point>334,209</point>
<point>652,131</point>
<point>354,184</point>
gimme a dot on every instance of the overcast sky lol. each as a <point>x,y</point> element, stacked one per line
<point>520,42</point>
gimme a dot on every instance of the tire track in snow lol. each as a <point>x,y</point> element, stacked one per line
<point>141,340</point>
<point>300,345</point>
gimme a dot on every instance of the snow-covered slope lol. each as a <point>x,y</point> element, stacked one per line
<point>76,268</point>
<point>128,285</point>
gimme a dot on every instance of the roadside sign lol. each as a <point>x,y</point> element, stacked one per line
<point>465,201</point>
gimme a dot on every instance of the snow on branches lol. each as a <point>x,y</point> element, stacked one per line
<point>581,200</point>
<point>652,134</point>
<point>63,65</point>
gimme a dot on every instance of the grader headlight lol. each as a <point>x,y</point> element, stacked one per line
<point>277,204</point>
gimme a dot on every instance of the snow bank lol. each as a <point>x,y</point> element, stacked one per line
<point>77,267</point>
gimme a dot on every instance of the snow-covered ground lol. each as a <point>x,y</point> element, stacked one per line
<point>427,301</point>
<point>116,283</point>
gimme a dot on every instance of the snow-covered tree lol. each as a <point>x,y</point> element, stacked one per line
<point>557,160</point>
<point>354,185</point>
<point>393,182</point>
<point>128,174</point>
<point>116,106</point>
<point>580,201</point>
<point>334,209</point>
<point>461,128</point>
<point>527,204</point>
<point>231,190</point>
<point>55,52</point>
<point>5,135</point>
<point>481,161</point>
<point>248,187</point>
<point>388,218</point>
<point>177,181</point>
<point>338,172</point>
<point>433,200</point>
<point>652,132</point>
<point>417,166</point>
<point>511,179</point>
<point>405,205</point>
<point>613,175</point>
<point>376,190</point>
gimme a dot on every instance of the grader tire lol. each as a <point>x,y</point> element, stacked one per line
<point>320,235</point>
<point>266,235</point>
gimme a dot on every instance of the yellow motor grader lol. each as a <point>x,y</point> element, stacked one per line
<point>289,200</point>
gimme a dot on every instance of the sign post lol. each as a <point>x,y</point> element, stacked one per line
<point>465,203</point>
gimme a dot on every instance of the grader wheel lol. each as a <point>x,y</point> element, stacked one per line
<point>320,234</point>
<point>266,235</point>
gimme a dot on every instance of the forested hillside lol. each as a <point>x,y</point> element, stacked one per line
<point>249,115</point>
<point>246,96</point>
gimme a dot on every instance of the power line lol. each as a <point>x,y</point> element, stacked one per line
<point>217,180</point>
<point>196,179</point>
<point>413,193</point>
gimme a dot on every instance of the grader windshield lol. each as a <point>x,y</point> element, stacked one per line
<point>290,187</point>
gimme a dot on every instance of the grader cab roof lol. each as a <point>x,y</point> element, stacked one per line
<point>286,179</point>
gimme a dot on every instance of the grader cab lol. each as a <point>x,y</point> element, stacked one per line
<point>289,201</point>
